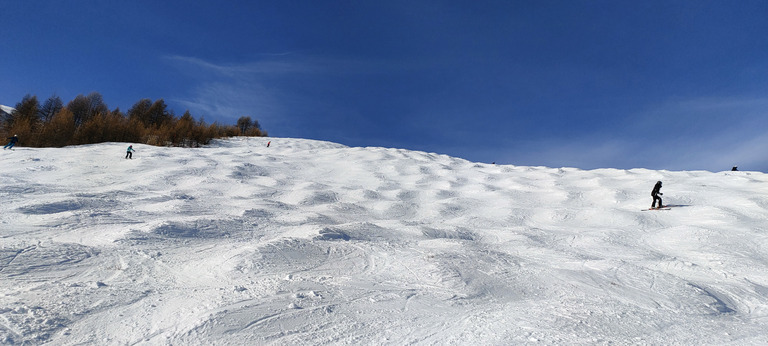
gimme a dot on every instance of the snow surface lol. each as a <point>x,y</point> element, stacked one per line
<point>309,242</point>
<point>7,109</point>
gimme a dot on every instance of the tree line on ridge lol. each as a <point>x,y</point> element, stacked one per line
<point>87,120</point>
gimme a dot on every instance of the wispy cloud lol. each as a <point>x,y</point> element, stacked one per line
<point>287,63</point>
<point>272,87</point>
<point>741,145</point>
<point>703,133</point>
<point>268,65</point>
<point>712,114</point>
<point>707,133</point>
<point>226,91</point>
<point>229,100</point>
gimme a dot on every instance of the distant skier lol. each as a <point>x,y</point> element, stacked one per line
<point>268,143</point>
<point>129,152</point>
<point>655,194</point>
<point>13,141</point>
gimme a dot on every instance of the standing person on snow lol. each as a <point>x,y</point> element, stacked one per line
<point>129,152</point>
<point>655,194</point>
<point>13,141</point>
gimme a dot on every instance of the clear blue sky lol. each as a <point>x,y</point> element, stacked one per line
<point>677,85</point>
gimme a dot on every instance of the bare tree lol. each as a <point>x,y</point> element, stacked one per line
<point>244,124</point>
<point>85,107</point>
<point>51,106</point>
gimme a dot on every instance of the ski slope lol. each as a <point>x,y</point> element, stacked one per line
<point>311,243</point>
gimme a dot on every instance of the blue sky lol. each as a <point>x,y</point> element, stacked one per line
<point>678,85</point>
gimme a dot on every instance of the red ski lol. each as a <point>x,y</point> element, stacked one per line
<point>659,208</point>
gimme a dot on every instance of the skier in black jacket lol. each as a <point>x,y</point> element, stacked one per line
<point>655,194</point>
<point>13,141</point>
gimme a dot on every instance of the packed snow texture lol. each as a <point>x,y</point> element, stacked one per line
<point>310,242</point>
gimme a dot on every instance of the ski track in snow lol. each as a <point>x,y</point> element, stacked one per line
<point>310,242</point>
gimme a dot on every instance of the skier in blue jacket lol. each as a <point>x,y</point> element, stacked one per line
<point>129,152</point>
<point>13,141</point>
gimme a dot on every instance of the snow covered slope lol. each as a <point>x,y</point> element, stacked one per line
<point>309,242</point>
<point>6,109</point>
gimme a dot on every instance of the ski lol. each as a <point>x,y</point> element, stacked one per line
<point>662,208</point>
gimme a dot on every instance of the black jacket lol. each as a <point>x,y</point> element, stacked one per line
<point>656,189</point>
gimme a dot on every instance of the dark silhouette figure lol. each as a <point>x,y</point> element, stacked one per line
<point>13,141</point>
<point>655,194</point>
